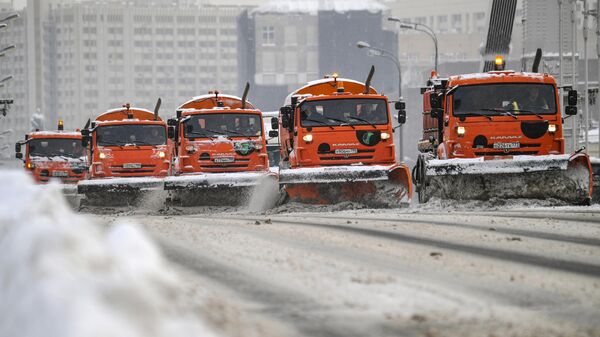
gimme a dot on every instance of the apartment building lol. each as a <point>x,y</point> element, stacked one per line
<point>285,43</point>
<point>75,60</point>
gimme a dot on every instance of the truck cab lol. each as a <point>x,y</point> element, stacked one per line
<point>129,142</point>
<point>493,114</point>
<point>53,155</point>
<point>336,121</point>
<point>219,133</point>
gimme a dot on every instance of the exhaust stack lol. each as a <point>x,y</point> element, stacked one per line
<point>369,78</point>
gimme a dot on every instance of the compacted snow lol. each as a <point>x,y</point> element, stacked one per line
<point>60,275</point>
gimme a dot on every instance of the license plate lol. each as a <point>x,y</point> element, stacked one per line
<point>60,174</point>
<point>506,146</point>
<point>346,151</point>
<point>132,166</point>
<point>224,159</point>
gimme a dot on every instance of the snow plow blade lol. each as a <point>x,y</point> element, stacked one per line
<point>118,191</point>
<point>216,189</point>
<point>376,186</point>
<point>562,177</point>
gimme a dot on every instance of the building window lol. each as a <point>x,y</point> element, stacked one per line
<point>479,21</point>
<point>268,35</point>
<point>442,21</point>
<point>457,23</point>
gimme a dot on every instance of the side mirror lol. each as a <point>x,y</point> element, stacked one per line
<point>572,98</point>
<point>286,116</point>
<point>19,155</point>
<point>401,117</point>
<point>172,122</point>
<point>273,133</point>
<point>400,105</point>
<point>18,147</point>
<point>171,132</point>
<point>571,110</point>
<point>433,114</point>
<point>434,101</point>
<point>274,123</point>
<point>85,132</point>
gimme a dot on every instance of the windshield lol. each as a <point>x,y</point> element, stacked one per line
<point>344,112</point>
<point>223,124</point>
<point>509,98</point>
<point>55,147</point>
<point>131,134</point>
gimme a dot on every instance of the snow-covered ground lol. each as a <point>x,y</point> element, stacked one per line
<point>61,275</point>
<point>446,268</point>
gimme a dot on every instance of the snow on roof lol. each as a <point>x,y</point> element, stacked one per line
<point>124,109</point>
<point>312,7</point>
<point>55,133</point>
<point>197,98</point>
<point>288,99</point>
<point>497,74</point>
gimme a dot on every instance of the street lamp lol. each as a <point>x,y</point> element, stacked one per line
<point>374,51</point>
<point>10,17</point>
<point>421,28</point>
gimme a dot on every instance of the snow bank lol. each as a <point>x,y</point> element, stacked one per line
<point>62,276</point>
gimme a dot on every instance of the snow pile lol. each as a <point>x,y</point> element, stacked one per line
<point>61,276</point>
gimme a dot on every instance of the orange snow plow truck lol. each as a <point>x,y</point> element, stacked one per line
<point>221,152</point>
<point>53,155</point>
<point>130,153</point>
<point>337,145</point>
<point>498,134</point>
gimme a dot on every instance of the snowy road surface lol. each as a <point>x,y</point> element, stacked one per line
<point>423,272</point>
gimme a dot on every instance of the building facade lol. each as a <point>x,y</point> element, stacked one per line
<point>286,43</point>
<point>74,60</point>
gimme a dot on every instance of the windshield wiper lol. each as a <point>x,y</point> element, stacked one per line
<point>317,121</point>
<point>480,114</point>
<point>343,122</point>
<point>105,143</point>
<point>202,134</point>
<point>528,111</point>
<point>239,133</point>
<point>138,142</point>
<point>502,111</point>
<point>363,120</point>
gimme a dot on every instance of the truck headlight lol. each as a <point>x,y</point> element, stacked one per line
<point>102,155</point>
<point>385,135</point>
<point>161,154</point>
<point>552,128</point>
<point>307,138</point>
<point>460,130</point>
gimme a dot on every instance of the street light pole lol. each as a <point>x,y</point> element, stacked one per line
<point>374,51</point>
<point>421,28</point>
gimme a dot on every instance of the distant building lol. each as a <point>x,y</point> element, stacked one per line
<point>460,26</point>
<point>285,43</point>
<point>75,60</point>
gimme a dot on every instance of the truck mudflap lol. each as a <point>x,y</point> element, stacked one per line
<point>119,191</point>
<point>222,189</point>
<point>372,185</point>
<point>562,177</point>
<point>595,162</point>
